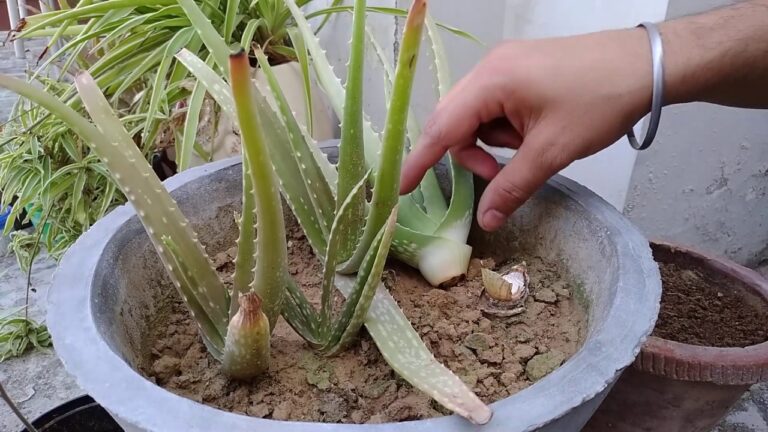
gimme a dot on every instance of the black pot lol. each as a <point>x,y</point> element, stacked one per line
<point>78,415</point>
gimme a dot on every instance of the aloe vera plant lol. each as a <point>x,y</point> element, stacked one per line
<point>430,234</point>
<point>279,157</point>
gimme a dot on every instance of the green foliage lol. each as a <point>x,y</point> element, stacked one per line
<point>63,187</point>
<point>128,47</point>
<point>19,333</point>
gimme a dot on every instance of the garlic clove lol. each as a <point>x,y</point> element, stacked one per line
<point>508,286</point>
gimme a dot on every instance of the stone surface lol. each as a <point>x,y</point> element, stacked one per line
<point>10,65</point>
<point>541,365</point>
<point>545,295</point>
<point>36,381</point>
<point>750,414</point>
<point>478,341</point>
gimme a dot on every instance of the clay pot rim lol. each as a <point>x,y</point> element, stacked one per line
<point>731,365</point>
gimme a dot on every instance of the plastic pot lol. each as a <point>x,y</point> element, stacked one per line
<point>677,387</point>
<point>103,297</point>
<point>78,415</point>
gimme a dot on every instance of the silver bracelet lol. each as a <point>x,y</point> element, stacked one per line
<point>657,54</point>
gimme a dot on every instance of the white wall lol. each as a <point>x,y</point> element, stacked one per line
<point>704,182</point>
<point>493,21</point>
<point>607,173</point>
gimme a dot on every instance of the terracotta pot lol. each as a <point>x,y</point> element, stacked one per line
<point>677,387</point>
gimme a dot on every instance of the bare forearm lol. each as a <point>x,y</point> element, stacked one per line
<point>719,57</point>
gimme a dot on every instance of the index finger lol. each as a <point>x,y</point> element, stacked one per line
<point>454,123</point>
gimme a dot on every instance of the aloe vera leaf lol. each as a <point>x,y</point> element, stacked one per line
<point>439,259</point>
<point>361,296</point>
<point>386,187</point>
<point>294,188</point>
<point>303,57</point>
<point>271,248</point>
<point>458,220</point>
<point>155,208</point>
<point>332,257</point>
<point>331,84</point>
<point>300,315</point>
<point>398,12</point>
<point>424,208</point>
<point>297,193</point>
<point>185,278</point>
<point>317,184</point>
<point>351,166</point>
<point>245,260</point>
<point>404,351</point>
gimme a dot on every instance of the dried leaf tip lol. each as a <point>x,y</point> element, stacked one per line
<point>250,302</point>
<point>237,54</point>
<point>417,13</point>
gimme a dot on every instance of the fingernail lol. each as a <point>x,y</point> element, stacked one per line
<point>492,219</point>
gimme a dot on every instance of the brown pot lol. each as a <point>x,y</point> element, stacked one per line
<point>677,387</point>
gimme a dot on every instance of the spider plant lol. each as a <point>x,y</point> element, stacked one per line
<point>19,333</point>
<point>63,187</point>
<point>235,326</point>
<point>128,48</point>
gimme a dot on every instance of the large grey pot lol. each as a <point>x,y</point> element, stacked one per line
<point>108,285</point>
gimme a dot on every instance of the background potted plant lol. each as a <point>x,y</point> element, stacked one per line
<point>128,48</point>
<point>710,344</point>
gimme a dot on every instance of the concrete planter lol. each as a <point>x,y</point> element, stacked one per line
<point>678,387</point>
<point>103,299</point>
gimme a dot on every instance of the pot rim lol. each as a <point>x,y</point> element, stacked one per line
<point>720,365</point>
<point>587,374</point>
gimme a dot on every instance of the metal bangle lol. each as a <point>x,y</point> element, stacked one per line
<point>657,102</point>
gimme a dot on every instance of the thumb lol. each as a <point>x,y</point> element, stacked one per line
<point>533,164</point>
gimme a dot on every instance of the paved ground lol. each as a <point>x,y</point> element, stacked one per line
<point>37,381</point>
<point>10,65</point>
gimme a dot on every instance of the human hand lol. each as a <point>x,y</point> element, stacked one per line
<point>554,100</point>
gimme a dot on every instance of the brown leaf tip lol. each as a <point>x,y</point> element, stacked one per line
<point>237,54</point>
<point>250,302</point>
